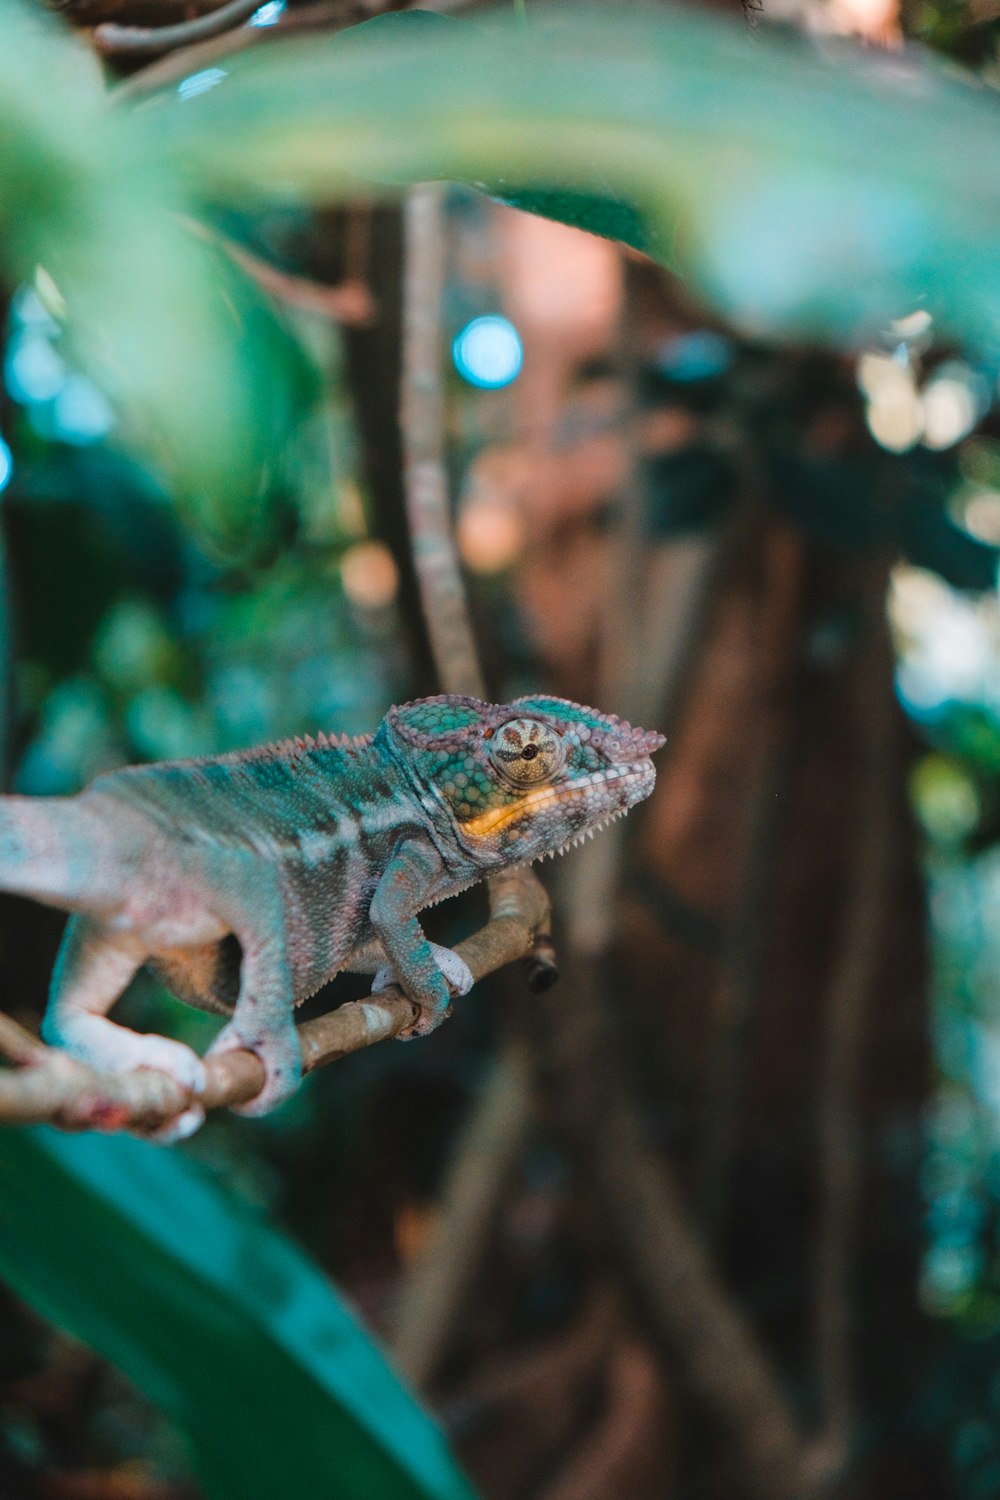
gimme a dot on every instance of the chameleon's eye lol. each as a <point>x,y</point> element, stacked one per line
<point>526,752</point>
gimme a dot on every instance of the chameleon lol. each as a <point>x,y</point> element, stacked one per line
<point>248,880</point>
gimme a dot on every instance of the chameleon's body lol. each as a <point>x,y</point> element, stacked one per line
<point>247,881</point>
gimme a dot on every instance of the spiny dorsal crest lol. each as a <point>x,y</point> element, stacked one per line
<point>300,744</point>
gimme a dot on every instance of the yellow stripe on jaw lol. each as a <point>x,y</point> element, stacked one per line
<point>485,823</point>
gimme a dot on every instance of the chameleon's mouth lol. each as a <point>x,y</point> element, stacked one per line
<point>587,833</point>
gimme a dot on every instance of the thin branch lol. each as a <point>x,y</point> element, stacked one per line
<point>18,1045</point>
<point>93,12</point>
<point>49,1086</point>
<point>422,423</point>
<point>483,1162</point>
<point>625,1448</point>
<point>349,303</point>
<point>716,1350</point>
<point>145,41</point>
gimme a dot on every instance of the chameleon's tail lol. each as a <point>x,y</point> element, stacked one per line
<point>55,849</point>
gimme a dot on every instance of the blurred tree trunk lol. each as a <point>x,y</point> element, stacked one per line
<point>777,873</point>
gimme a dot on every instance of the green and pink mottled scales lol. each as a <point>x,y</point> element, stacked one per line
<point>247,881</point>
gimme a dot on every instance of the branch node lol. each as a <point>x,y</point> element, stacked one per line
<point>541,965</point>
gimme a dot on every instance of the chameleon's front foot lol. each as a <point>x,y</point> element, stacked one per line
<point>281,1056</point>
<point>458,979</point>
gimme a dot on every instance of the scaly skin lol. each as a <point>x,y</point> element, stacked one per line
<point>247,881</point>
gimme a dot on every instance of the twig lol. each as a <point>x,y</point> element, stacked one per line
<point>716,1351</point>
<point>624,1452</point>
<point>93,12</point>
<point>483,1162</point>
<point>422,423</point>
<point>145,41</point>
<point>49,1086</point>
<point>17,1044</point>
<point>349,303</point>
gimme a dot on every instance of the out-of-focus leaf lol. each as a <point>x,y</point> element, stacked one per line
<point>604,214</point>
<point>227,1327</point>
<point>807,193</point>
<point>198,365</point>
<point>599,211</point>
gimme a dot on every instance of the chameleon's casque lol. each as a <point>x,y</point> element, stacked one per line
<point>247,881</point>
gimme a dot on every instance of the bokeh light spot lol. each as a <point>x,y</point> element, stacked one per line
<point>488,352</point>
<point>81,413</point>
<point>490,535</point>
<point>896,420</point>
<point>369,575</point>
<point>699,355</point>
<point>954,401</point>
<point>269,14</point>
<point>200,83</point>
<point>6,465</point>
<point>33,371</point>
<point>981,516</point>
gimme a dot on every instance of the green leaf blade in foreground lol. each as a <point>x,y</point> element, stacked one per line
<point>206,379</point>
<point>808,195</point>
<point>224,1324</point>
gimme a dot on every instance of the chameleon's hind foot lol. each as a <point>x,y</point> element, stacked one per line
<point>177,1129</point>
<point>281,1055</point>
<point>108,1048</point>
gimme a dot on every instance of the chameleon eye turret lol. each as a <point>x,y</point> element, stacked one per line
<point>527,752</point>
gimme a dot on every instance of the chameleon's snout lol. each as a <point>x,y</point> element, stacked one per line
<point>627,742</point>
<point>645,742</point>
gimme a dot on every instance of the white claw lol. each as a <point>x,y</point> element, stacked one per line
<point>178,1129</point>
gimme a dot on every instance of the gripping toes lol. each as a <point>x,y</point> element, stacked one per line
<point>455,970</point>
<point>113,1049</point>
<point>456,974</point>
<point>178,1129</point>
<point>281,1056</point>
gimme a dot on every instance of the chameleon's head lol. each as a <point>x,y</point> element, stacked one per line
<point>522,780</point>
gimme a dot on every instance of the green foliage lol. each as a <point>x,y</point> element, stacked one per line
<point>222,1322</point>
<point>805,195</point>
<point>210,379</point>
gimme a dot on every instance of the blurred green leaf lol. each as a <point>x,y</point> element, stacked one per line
<point>193,357</point>
<point>807,193</point>
<point>603,211</point>
<point>224,1324</point>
